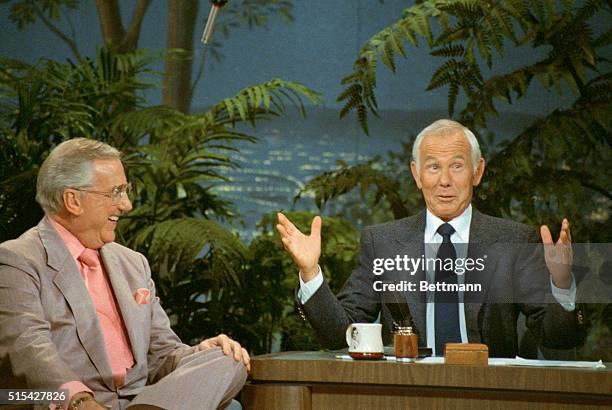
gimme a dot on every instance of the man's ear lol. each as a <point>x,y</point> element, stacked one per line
<point>73,202</point>
<point>415,175</point>
<point>479,172</point>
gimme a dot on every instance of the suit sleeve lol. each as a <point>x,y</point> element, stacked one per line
<point>357,301</point>
<point>165,347</point>
<point>25,338</point>
<point>552,326</point>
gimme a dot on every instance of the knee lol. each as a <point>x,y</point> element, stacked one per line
<point>235,369</point>
<point>217,362</point>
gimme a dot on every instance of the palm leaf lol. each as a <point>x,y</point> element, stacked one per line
<point>174,244</point>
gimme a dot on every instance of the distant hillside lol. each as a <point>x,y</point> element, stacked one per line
<point>391,123</point>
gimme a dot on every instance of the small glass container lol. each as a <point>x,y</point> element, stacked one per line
<point>406,344</point>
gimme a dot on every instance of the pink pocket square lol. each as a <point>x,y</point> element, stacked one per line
<point>142,296</point>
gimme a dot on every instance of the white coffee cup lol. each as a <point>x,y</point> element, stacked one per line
<point>365,341</point>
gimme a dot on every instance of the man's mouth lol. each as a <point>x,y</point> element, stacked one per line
<point>446,197</point>
<point>113,218</point>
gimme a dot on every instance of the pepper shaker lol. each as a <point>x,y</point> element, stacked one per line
<point>406,344</point>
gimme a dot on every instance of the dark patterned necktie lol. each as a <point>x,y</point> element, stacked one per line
<point>446,315</point>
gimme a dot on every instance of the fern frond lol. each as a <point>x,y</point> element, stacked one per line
<point>139,123</point>
<point>366,177</point>
<point>361,82</point>
<point>269,97</point>
<point>445,74</point>
<point>451,50</point>
<point>173,244</point>
<point>605,39</point>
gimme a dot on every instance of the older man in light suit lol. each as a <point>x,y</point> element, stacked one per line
<point>79,311</point>
<point>446,166</point>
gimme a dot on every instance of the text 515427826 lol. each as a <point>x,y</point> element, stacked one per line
<point>32,396</point>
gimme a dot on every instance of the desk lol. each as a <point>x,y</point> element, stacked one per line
<point>317,380</point>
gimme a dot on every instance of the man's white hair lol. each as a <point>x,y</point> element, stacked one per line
<point>69,165</point>
<point>446,128</point>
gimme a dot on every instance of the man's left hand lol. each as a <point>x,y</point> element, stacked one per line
<point>228,346</point>
<point>559,256</point>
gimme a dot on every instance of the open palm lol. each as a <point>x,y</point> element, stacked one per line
<point>305,250</point>
<point>559,256</point>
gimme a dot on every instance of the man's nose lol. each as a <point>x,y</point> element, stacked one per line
<point>445,177</point>
<point>125,205</point>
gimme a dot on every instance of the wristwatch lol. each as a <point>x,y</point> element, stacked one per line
<point>76,403</point>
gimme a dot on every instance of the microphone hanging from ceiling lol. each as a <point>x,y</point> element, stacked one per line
<point>216,6</point>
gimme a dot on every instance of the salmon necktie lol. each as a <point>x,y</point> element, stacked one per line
<point>115,340</point>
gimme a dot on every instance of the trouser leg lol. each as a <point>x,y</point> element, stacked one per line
<point>203,380</point>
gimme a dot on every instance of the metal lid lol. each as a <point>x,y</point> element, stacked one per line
<point>403,330</point>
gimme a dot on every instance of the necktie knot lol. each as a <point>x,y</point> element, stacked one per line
<point>90,258</point>
<point>446,230</point>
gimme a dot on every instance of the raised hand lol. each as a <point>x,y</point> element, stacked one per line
<point>305,250</point>
<point>559,256</point>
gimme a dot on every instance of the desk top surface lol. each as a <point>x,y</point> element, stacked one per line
<point>324,367</point>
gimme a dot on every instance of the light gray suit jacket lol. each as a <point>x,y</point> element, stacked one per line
<point>49,331</point>
<point>512,271</point>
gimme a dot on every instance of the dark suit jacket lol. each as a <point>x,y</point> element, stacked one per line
<point>515,273</point>
<point>49,331</point>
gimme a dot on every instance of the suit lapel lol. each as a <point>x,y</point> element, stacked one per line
<point>131,312</point>
<point>410,240</point>
<point>69,281</point>
<point>480,244</point>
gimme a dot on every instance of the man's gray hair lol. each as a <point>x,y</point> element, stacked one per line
<point>445,128</point>
<point>69,165</point>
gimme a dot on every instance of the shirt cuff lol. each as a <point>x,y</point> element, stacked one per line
<point>565,297</point>
<point>73,387</point>
<point>307,289</point>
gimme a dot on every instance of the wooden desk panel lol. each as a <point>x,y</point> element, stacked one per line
<point>305,380</point>
<point>277,397</point>
<point>367,397</point>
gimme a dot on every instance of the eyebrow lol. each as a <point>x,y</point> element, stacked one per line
<point>429,157</point>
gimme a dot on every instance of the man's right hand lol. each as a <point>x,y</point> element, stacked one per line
<point>88,404</point>
<point>92,405</point>
<point>304,250</point>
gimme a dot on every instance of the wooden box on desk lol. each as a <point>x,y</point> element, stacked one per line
<point>466,353</point>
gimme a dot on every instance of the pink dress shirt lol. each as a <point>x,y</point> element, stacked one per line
<point>96,279</point>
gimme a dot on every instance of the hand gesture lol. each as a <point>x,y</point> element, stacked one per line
<point>228,346</point>
<point>559,256</point>
<point>304,250</point>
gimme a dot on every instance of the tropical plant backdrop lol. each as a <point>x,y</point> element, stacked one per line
<point>210,279</point>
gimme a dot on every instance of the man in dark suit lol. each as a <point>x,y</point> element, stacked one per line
<point>515,276</point>
<point>79,312</point>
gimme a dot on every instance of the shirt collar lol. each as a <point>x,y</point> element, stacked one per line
<point>75,247</point>
<point>460,223</point>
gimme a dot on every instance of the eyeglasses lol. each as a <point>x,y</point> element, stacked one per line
<point>116,195</point>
